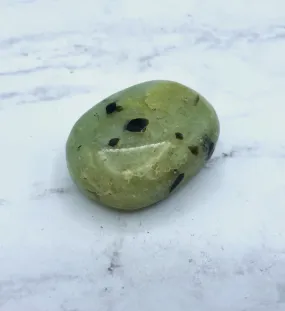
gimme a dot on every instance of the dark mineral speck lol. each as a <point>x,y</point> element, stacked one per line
<point>194,150</point>
<point>208,146</point>
<point>196,100</point>
<point>110,108</point>
<point>137,125</point>
<point>119,108</point>
<point>113,142</point>
<point>179,136</point>
<point>176,182</point>
<point>78,148</point>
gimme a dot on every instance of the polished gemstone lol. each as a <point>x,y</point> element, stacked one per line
<point>137,146</point>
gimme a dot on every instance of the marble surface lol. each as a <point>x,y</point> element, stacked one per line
<point>217,244</point>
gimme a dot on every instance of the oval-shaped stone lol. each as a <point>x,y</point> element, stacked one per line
<point>137,146</point>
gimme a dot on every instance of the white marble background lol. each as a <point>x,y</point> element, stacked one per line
<point>219,243</point>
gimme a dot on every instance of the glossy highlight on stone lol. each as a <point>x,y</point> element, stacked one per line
<point>141,144</point>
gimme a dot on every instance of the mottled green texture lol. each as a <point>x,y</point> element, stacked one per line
<point>130,170</point>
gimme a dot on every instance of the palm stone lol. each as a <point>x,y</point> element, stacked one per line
<point>141,144</point>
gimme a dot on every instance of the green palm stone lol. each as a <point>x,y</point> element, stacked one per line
<point>135,147</point>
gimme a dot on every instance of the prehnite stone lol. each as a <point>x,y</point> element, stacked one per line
<point>137,146</point>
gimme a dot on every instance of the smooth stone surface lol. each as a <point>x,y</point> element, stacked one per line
<point>137,146</point>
